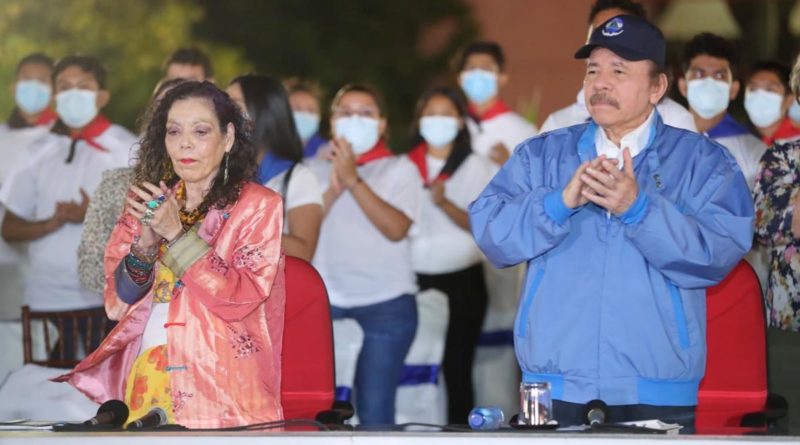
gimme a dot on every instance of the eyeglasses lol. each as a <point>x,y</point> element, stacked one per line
<point>363,112</point>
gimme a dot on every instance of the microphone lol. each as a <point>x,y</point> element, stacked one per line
<point>596,412</point>
<point>155,418</point>
<point>112,413</point>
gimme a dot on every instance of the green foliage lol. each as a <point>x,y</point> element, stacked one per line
<point>131,38</point>
<point>387,44</point>
<point>384,43</point>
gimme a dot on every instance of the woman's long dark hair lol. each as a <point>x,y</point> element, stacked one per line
<point>271,116</point>
<point>462,145</point>
<point>154,164</point>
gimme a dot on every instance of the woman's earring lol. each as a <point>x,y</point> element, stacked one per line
<point>225,174</point>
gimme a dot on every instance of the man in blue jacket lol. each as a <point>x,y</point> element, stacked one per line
<point>623,222</point>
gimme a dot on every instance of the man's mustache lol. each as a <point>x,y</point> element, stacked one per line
<point>600,98</point>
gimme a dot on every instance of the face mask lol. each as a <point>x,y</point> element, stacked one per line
<point>307,124</point>
<point>438,131</point>
<point>794,111</point>
<point>479,85</point>
<point>32,96</point>
<point>361,132</point>
<point>763,107</point>
<point>76,107</point>
<point>708,97</point>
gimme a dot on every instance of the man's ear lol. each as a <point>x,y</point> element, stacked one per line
<point>658,90</point>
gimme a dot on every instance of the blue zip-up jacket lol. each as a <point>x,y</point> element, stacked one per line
<point>613,307</point>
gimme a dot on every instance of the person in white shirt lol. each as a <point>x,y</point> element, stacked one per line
<point>30,119</point>
<point>364,255</point>
<point>280,152</point>
<point>445,256</point>
<point>671,112</point>
<point>494,127</point>
<point>709,83</point>
<point>47,195</point>
<point>305,97</point>
<point>495,131</point>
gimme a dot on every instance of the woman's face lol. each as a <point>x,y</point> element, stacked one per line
<point>194,141</point>
<point>302,101</point>
<point>357,103</point>
<point>441,105</point>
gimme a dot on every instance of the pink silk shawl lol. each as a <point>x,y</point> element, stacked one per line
<point>225,327</point>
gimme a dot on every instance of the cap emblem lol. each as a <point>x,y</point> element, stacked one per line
<point>613,28</point>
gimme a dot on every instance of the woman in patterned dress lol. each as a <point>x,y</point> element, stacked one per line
<point>777,195</point>
<point>194,273</point>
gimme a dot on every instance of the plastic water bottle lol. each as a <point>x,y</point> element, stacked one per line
<point>485,418</point>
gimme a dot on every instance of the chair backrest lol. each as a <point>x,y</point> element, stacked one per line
<point>735,381</point>
<point>307,369</point>
<point>66,346</point>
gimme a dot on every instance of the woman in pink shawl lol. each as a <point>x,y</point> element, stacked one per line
<point>194,274</point>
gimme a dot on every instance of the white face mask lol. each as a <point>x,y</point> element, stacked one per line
<point>32,96</point>
<point>438,131</point>
<point>794,111</point>
<point>708,97</point>
<point>763,107</point>
<point>479,85</point>
<point>307,124</point>
<point>76,107</point>
<point>361,132</point>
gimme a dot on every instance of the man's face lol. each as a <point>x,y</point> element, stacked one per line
<point>705,66</point>
<point>185,71</point>
<point>619,93</point>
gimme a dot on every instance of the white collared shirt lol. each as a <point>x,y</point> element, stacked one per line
<point>635,141</point>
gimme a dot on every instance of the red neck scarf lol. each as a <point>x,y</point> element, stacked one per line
<point>47,117</point>
<point>495,110</point>
<point>92,131</point>
<point>417,156</point>
<point>379,151</point>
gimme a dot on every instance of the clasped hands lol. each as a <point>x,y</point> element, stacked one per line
<point>343,174</point>
<point>601,182</point>
<point>156,207</point>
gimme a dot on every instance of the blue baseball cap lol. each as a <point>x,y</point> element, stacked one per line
<point>630,37</point>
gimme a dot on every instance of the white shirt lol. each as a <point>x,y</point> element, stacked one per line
<point>439,245</point>
<point>303,189</point>
<point>31,192</point>
<point>671,112</point>
<point>15,146</point>
<point>635,141</point>
<point>509,129</point>
<point>747,149</point>
<point>359,264</point>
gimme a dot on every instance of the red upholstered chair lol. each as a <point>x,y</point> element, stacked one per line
<point>735,383</point>
<point>307,380</point>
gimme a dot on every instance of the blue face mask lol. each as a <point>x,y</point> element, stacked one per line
<point>307,124</point>
<point>763,107</point>
<point>438,131</point>
<point>794,111</point>
<point>479,85</point>
<point>76,107</point>
<point>708,97</point>
<point>32,96</point>
<point>361,132</point>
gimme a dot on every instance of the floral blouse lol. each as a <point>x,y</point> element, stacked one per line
<point>775,192</point>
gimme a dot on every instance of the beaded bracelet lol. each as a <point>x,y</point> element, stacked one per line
<point>138,270</point>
